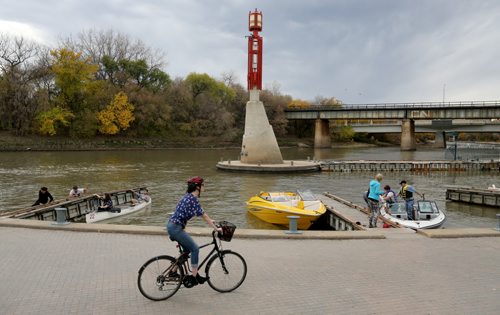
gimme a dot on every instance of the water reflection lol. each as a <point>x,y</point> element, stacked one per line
<point>166,171</point>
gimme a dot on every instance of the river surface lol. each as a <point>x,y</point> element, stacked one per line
<point>165,172</point>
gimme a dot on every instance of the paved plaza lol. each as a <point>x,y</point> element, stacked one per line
<point>67,272</point>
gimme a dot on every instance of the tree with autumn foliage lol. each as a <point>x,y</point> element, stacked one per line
<point>116,116</point>
<point>50,120</point>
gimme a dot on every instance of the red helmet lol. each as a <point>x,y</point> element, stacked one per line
<point>195,180</point>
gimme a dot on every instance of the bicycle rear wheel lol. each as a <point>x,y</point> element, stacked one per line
<point>158,278</point>
<point>227,271</point>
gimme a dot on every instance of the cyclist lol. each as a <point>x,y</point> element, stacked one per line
<point>188,207</point>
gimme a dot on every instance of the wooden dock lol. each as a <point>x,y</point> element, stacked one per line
<point>478,196</point>
<point>408,166</point>
<point>345,215</point>
<point>75,208</point>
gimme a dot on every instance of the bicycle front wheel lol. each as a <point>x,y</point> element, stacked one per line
<point>160,278</point>
<point>226,271</point>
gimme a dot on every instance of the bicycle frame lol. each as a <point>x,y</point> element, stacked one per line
<point>182,260</point>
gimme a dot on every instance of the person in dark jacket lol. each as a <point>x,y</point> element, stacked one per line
<point>44,197</point>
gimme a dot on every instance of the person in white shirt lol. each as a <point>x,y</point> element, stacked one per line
<point>77,192</point>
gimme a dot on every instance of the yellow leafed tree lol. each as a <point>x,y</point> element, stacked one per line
<point>117,115</point>
<point>49,120</point>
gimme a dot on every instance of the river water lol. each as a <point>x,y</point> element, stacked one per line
<point>164,172</point>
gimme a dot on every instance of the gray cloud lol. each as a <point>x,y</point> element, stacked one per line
<point>357,51</point>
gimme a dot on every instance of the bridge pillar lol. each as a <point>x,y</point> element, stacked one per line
<point>408,141</point>
<point>322,134</point>
<point>440,139</point>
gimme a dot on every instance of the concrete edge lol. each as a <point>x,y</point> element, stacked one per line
<point>194,231</point>
<point>460,233</point>
<point>242,233</point>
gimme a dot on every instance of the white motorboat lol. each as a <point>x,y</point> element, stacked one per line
<point>125,209</point>
<point>426,213</point>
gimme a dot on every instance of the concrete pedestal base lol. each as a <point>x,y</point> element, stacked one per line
<point>285,167</point>
<point>259,142</point>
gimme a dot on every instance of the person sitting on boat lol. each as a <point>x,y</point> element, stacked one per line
<point>188,207</point>
<point>374,194</point>
<point>107,204</point>
<point>143,195</point>
<point>77,192</point>
<point>44,197</point>
<point>389,195</point>
<point>139,197</point>
<point>406,192</point>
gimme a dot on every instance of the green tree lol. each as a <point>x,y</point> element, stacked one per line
<point>74,77</point>
<point>22,75</point>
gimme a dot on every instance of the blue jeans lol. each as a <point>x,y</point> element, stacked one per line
<point>177,233</point>
<point>409,208</point>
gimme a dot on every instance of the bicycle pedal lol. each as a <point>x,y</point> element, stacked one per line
<point>201,279</point>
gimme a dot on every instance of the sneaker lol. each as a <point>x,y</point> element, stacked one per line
<point>201,279</point>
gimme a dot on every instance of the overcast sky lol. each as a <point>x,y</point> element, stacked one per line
<point>371,51</point>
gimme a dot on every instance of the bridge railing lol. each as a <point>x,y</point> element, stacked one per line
<point>418,105</point>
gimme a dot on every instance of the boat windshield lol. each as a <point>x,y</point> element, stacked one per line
<point>279,197</point>
<point>427,206</point>
<point>306,195</point>
<point>398,208</point>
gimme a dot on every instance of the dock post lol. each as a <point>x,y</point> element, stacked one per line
<point>498,222</point>
<point>61,216</point>
<point>293,225</point>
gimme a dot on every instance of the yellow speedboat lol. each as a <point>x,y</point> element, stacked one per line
<point>274,207</point>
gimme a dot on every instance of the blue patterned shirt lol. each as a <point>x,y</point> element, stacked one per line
<point>188,207</point>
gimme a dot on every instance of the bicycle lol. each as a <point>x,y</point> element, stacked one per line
<point>161,277</point>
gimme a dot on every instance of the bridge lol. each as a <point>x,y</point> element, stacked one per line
<point>407,113</point>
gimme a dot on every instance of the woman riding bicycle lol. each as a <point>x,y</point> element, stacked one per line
<point>188,207</point>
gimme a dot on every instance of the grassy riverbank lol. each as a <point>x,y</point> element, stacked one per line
<point>10,142</point>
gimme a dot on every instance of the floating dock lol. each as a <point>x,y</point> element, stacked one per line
<point>408,166</point>
<point>343,215</point>
<point>75,208</point>
<point>478,196</point>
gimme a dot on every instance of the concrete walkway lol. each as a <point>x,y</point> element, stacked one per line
<point>67,272</point>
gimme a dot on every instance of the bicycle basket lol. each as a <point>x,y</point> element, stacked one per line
<point>227,231</point>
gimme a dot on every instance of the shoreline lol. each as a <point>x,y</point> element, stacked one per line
<point>10,143</point>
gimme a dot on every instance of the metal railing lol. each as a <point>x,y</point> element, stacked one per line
<point>417,105</point>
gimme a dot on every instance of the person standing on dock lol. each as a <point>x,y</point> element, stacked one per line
<point>406,192</point>
<point>373,199</point>
<point>44,197</point>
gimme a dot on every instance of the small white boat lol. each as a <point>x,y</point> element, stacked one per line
<point>95,216</point>
<point>426,213</point>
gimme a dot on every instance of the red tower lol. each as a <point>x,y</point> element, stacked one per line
<point>254,51</point>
